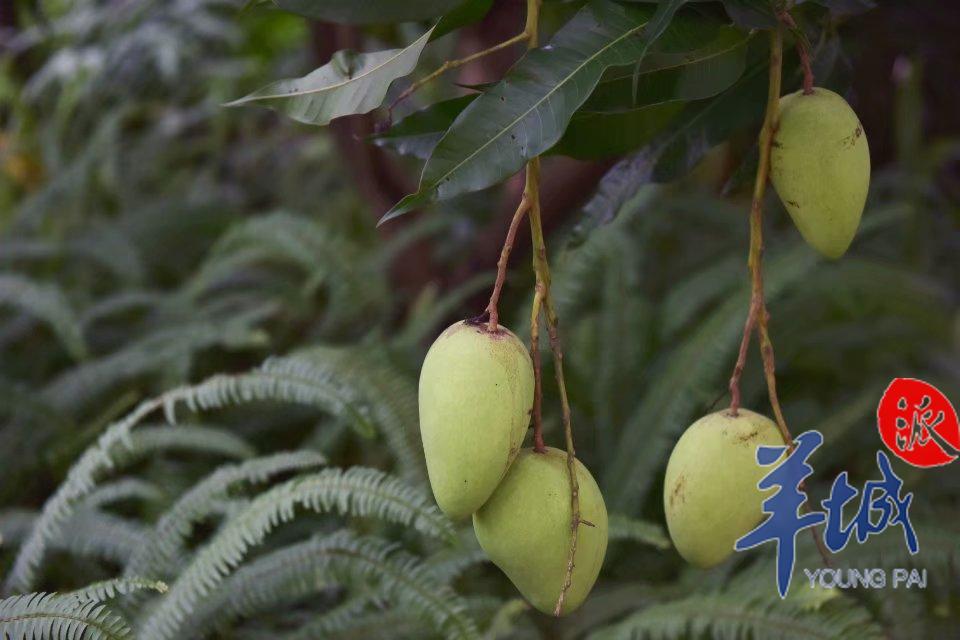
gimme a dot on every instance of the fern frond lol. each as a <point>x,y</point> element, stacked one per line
<point>367,564</point>
<point>156,352</point>
<point>694,294</point>
<point>447,565</point>
<point>730,616</point>
<point>121,302</point>
<point>120,490</point>
<point>50,615</point>
<point>503,622</point>
<point>174,527</point>
<point>378,625</point>
<point>325,257</point>
<point>427,312</point>
<point>624,528</point>
<point>109,589</point>
<point>689,378</point>
<point>284,380</point>
<point>329,624</point>
<point>50,305</point>
<point>358,492</point>
<point>384,394</point>
<point>284,576</point>
<point>188,438</point>
<point>88,534</point>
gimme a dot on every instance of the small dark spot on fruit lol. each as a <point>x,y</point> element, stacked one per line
<point>677,493</point>
<point>776,144</point>
<point>747,437</point>
<point>793,203</point>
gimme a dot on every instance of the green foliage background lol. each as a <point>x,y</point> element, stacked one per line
<point>208,420</point>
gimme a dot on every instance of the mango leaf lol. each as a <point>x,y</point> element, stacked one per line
<point>368,11</point>
<point>467,13</point>
<point>527,112</point>
<point>697,128</point>
<point>685,69</point>
<point>418,133</point>
<point>350,83</point>
<point>695,81</point>
<point>845,7</point>
<point>752,14</point>
<point>601,134</point>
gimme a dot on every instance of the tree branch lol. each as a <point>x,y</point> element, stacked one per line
<point>758,316</point>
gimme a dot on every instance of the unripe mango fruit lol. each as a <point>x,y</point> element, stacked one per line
<point>820,167</point>
<point>525,529</point>
<point>710,493</point>
<point>476,393</point>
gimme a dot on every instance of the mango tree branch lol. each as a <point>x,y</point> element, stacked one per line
<point>541,267</point>
<point>757,316</point>
<point>453,64</point>
<point>493,306</point>
<point>538,444</point>
<point>755,259</point>
<point>803,50</point>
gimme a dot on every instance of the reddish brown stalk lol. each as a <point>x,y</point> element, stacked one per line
<point>543,302</point>
<point>453,64</point>
<point>492,306</point>
<point>758,317</point>
<point>802,50</point>
<point>538,444</point>
<point>755,259</point>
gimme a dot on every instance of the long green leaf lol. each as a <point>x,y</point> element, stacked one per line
<point>368,11</point>
<point>527,112</point>
<point>349,84</point>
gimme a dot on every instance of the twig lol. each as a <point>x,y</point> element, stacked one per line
<point>758,316</point>
<point>755,259</point>
<point>453,64</point>
<point>541,267</point>
<point>493,305</point>
<point>538,444</point>
<point>803,49</point>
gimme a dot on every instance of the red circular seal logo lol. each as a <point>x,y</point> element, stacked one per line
<point>918,424</point>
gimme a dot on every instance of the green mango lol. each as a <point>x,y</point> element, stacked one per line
<point>710,493</point>
<point>820,167</point>
<point>525,529</point>
<point>476,394</point>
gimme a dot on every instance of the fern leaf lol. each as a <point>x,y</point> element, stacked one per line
<point>174,527</point>
<point>286,380</point>
<point>624,528</point>
<point>47,303</point>
<point>87,534</point>
<point>447,565</point>
<point>110,589</point>
<point>365,564</point>
<point>689,378</point>
<point>78,386</point>
<point>379,625</point>
<point>61,617</point>
<point>120,490</point>
<point>188,438</point>
<point>358,492</point>
<point>386,396</point>
<point>724,616</point>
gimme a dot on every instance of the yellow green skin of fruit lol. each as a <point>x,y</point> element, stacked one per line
<point>820,167</point>
<point>475,397</point>
<point>710,493</point>
<point>525,529</point>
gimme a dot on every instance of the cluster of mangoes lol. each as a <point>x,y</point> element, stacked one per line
<point>820,167</point>
<point>476,397</point>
